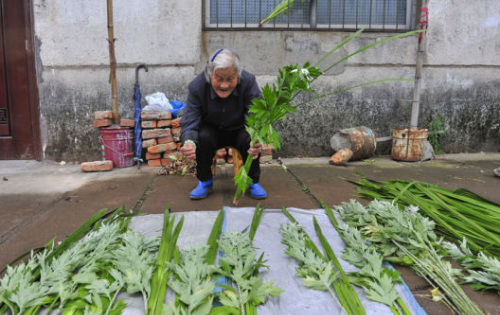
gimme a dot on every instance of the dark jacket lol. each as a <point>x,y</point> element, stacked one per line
<point>203,106</point>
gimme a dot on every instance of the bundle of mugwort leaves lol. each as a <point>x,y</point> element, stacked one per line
<point>320,272</point>
<point>240,264</point>
<point>483,271</point>
<point>190,273</point>
<point>376,279</point>
<point>85,273</point>
<point>461,216</point>
<point>105,258</point>
<point>458,214</point>
<point>276,102</point>
<point>406,237</point>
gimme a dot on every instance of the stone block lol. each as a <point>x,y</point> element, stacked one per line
<point>154,163</point>
<point>164,123</point>
<point>126,122</point>
<point>160,148</point>
<point>148,124</point>
<point>153,156</point>
<point>97,166</point>
<point>149,143</point>
<point>98,123</point>
<point>155,133</point>
<point>103,114</point>
<point>162,140</point>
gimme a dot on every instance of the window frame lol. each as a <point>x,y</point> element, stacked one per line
<point>411,22</point>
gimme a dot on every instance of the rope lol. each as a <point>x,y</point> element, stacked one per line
<point>113,150</point>
<point>424,21</point>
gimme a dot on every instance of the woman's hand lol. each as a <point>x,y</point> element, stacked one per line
<point>255,150</point>
<point>189,150</point>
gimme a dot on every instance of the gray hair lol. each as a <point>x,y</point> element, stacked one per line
<point>221,59</point>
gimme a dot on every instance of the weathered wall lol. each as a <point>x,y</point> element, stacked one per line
<point>73,63</point>
<point>460,78</point>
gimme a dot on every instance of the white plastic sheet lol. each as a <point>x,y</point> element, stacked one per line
<point>296,299</point>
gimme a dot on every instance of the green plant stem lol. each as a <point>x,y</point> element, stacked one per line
<point>374,44</point>
<point>165,254</point>
<point>347,295</point>
<point>350,88</point>
<point>240,190</point>
<point>111,300</point>
<point>403,307</point>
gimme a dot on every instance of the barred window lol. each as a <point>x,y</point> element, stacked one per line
<point>376,15</point>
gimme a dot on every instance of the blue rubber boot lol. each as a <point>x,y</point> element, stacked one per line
<point>202,190</point>
<point>257,192</point>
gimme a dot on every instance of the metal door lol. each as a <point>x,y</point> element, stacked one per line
<point>19,114</point>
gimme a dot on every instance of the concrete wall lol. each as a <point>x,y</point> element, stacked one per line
<point>460,78</point>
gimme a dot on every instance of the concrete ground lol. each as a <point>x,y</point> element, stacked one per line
<point>42,200</point>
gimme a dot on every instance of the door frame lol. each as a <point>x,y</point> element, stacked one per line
<point>34,99</point>
<point>32,105</point>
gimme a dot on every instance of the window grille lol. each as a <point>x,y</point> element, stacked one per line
<point>375,15</point>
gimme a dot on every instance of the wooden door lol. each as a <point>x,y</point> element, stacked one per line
<point>19,113</point>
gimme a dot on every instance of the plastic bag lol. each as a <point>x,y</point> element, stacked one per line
<point>177,106</point>
<point>158,102</point>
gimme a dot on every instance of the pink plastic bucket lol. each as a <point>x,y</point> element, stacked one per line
<point>117,146</point>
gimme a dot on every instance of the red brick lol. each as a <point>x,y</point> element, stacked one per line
<point>150,115</point>
<point>165,161</point>
<point>179,145</point>
<point>154,163</point>
<point>162,148</point>
<point>148,143</point>
<point>176,123</point>
<point>125,122</point>
<point>97,166</point>
<point>163,140</point>
<point>176,131</point>
<point>153,156</point>
<point>149,124</point>
<point>98,123</point>
<point>155,133</point>
<point>164,123</point>
<point>103,114</point>
<point>165,115</point>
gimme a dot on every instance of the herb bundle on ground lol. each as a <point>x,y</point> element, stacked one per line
<point>167,251</point>
<point>407,237</point>
<point>458,214</point>
<point>483,271</point>
<point>376,279</point>
<point>64,277</point>
<point>319,272</point>
<point>240,264</point>
<point>192,276</point>
<point>192,283</point>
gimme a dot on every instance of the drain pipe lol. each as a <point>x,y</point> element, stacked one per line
<point>424,22</point>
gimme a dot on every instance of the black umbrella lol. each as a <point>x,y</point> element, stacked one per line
<point>137,116</point>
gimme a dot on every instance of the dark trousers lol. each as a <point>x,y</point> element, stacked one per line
<point>211,139</point>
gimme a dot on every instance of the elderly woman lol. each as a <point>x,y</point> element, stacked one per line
<point>217,103</point>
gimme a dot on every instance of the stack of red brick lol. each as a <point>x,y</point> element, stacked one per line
<point>160,137</point>
<point>105,119</point>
